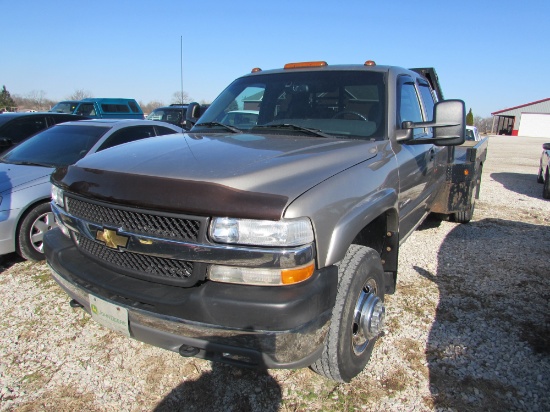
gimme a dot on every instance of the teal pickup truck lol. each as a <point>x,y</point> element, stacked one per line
<point>101,108</point>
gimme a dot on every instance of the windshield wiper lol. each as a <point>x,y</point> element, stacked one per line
<point>24,163</point>
<point>214,124</point>
<point>312,132</point>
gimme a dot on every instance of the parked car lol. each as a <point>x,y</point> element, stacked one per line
<point>243,119</point>
<point>25,213</point>
<point>175,114</point>
<point>544,170</point>
<point>16,127</point>
<point>472,134</point>
<point>101,108</point>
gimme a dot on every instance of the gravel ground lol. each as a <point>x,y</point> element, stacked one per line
<point>467,330</point>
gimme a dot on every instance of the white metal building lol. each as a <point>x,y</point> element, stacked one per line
<point>531,119</point>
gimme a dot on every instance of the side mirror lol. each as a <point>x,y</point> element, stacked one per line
<point>5,143</point>
<point>546,146</point>
<point>449,124</point>
<point>192,114</point>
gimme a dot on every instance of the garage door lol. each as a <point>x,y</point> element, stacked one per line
<point>534,125</point>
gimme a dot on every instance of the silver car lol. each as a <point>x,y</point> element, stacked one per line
<point>25,171</point>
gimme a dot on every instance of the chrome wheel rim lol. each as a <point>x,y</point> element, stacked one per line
<point>368,317</point>
<point>40,226</point>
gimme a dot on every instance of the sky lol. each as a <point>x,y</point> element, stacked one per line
<point>491,54</point>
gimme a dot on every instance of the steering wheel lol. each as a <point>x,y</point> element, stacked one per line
<point>343,112</point>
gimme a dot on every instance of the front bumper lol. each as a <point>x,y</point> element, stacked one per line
<point>271,327</point>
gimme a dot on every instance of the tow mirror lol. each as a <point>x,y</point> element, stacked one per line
<point>192,115</point>
<point>449,125</point>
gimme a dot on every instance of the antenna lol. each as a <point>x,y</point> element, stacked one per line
<point>182,121</point>
<point>181,67</point>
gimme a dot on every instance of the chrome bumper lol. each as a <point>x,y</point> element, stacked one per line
<point>294,348</point>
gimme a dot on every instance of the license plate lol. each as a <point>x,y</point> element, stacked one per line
<point>109,315</point>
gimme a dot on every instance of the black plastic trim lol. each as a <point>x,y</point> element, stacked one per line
<point>227,305</point>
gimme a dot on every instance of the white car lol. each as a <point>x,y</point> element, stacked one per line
<point>472,133</point>
<point>243,119</point>
<point>25,213</point>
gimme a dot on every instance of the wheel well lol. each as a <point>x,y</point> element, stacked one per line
<point>382,235</point>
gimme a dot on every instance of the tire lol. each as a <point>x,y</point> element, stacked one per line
<point>540,179</point>
<point>465,217</point>
<point>546,187</point>
<point>348,346</point>
<point>32,228</point>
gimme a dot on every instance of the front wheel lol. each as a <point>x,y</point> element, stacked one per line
<point>357,317</point>
<point>34,225</point>
<point>546,187</point>
<point>540,179</point>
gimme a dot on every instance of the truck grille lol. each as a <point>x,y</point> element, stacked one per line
<point>166,227</point>
<point>148,265</point>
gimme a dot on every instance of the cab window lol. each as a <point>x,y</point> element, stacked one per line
<point>409,104</point>
<point>427,99</point>
<point>86,109</point>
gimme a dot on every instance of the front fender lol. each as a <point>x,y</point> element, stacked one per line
<point>349,226</point>
<point>341,206</point>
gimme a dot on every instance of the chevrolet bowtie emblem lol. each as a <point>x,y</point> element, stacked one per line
<point>111,238</point>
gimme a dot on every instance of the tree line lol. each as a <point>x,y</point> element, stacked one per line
<point>37,100</point>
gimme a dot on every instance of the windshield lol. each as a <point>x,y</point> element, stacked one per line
<point>174,116</point>
<point>60,145</point>
<point>348,104</point>
<point>64,107</point>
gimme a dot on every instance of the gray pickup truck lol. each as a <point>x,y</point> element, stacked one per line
<point>266,239</point>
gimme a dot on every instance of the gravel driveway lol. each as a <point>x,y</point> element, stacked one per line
<point>467,330</point>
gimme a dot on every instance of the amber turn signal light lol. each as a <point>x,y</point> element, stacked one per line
<point>289,276</point>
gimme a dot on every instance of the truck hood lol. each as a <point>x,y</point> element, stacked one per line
<point>241,175</point>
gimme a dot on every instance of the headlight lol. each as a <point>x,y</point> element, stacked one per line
<point>291,232</point>
<point>57,196</point>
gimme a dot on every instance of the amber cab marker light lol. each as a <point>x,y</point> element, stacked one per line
<point>255,70</point>
<point>370,63</point>
<point>289,276</point>
<point>305,64</point>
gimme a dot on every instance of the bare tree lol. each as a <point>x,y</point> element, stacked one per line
<point>152,105</point>
<point>181,97</point>
<point>484,125</point>
<point>80,94</point>
<point>37,99</point>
